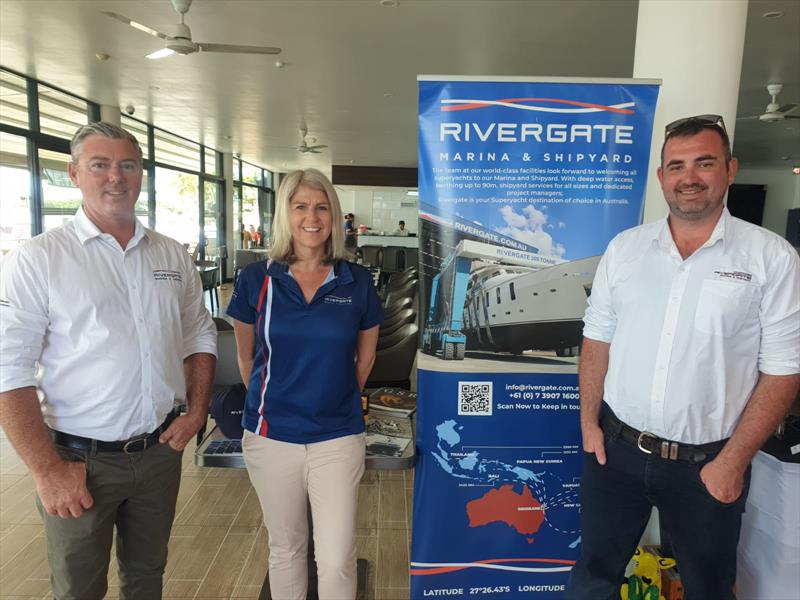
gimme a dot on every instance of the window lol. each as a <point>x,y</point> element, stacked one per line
<point>15,192</point>
<point>210,217</point>
<point>61,114</point>
<point>497,289</point>
<point>250,213</point>
<point>174,150</point>
<point>60,198</point>
<point>511,290</point>
<point>177,205</point>
<point>237,215</point>
<point>142,208</point>
<point>13,100</point>
<point>210,160</point>
<point>251,174</point>
<point>139,131</point>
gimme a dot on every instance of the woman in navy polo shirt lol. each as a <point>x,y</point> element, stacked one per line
<point>306,325</point>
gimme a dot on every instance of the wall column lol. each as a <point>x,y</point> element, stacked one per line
<point>230,225</point>
<point>695,48</point>
<point>110,114</point>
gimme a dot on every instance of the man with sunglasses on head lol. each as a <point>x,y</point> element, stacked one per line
<point>690,361</point>
<point>103,332</point>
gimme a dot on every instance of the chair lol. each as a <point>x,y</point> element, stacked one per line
<point>389,339</point>
<point>402,318</point>
<point>227,372</point>
<point>397,318</point>
<point>222,324</point>
<point>372,255</point>
<point>396,307</point>
<point>222,260</point>
<point>209,275</point>
<point>393,364</point>
<point>408,289</point>
<point>242,258</point>
<point>394,259</point>
<point>412,258</point>
<point>398,280</point>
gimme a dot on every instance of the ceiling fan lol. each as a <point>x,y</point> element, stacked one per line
<point>180,40</point>
<point>304,148</point>
<point>774,112</point>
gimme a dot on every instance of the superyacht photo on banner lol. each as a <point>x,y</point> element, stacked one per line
<point>522,184</point>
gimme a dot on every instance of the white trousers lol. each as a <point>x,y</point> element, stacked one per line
<point>286,478</point>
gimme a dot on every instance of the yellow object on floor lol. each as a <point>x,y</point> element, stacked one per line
<point>645,581</point>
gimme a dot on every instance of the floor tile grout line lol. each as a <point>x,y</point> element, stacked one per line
<point>189,499</point>
<point>255,538</point>
<point>213,560</point>
<point>21,550</point>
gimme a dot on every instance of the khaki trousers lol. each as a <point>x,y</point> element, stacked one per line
<point>287,477</point>
<point>134,493</point>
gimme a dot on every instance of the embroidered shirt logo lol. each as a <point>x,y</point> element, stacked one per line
<point>167,275</point>
<point>338,300</point>
<point>734,275</point>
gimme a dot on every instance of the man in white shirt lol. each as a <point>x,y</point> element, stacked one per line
<point>401,229</point>
<point>690,360</point>
<point>103,333</point>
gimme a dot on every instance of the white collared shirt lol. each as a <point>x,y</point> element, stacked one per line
<point>689,337</point>
<point>101,331</point>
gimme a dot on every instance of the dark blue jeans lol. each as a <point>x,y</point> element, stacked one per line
<point>616,501</point>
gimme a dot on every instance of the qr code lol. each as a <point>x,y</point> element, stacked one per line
<point>475,398</point>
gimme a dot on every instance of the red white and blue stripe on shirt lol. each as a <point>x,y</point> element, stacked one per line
<point>303,387</point>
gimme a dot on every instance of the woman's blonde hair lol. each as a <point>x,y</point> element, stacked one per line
<point>280,247</point>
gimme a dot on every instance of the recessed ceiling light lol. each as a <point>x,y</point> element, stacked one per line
<point>773,14</point>
<point>389,2</point>
<point>387,94</point>
<point>102,56</point>
<point>279,64</point>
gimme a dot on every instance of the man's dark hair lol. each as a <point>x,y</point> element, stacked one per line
<point>402,223</point>
<point>691,128</point>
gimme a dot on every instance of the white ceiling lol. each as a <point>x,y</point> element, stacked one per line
<point>351,66</point>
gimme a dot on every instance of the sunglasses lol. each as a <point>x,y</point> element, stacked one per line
<point>705,120</point>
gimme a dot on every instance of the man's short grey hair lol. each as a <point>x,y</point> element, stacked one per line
<point>103,129</point>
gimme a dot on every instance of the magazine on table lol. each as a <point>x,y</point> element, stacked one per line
<point>393,401</point>
<point>384,445</point>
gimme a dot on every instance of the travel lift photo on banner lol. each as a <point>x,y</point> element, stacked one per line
<point>522,184</point>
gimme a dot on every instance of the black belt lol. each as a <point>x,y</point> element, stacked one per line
<point>651,444</point>
<point>134,444</point>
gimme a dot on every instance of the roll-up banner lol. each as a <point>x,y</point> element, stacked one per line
<point>522,184</point>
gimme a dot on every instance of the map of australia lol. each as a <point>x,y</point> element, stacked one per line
<point>521,512</point>
<point>521,498</point>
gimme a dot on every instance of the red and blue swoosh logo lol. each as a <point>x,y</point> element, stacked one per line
<point>534,104</point>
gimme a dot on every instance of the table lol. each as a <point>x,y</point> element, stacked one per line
<point>207,455</point>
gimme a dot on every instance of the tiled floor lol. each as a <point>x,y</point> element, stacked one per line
<point>218,545</point>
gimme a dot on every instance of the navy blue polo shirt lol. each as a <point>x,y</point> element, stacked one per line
<point>303,386</point>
